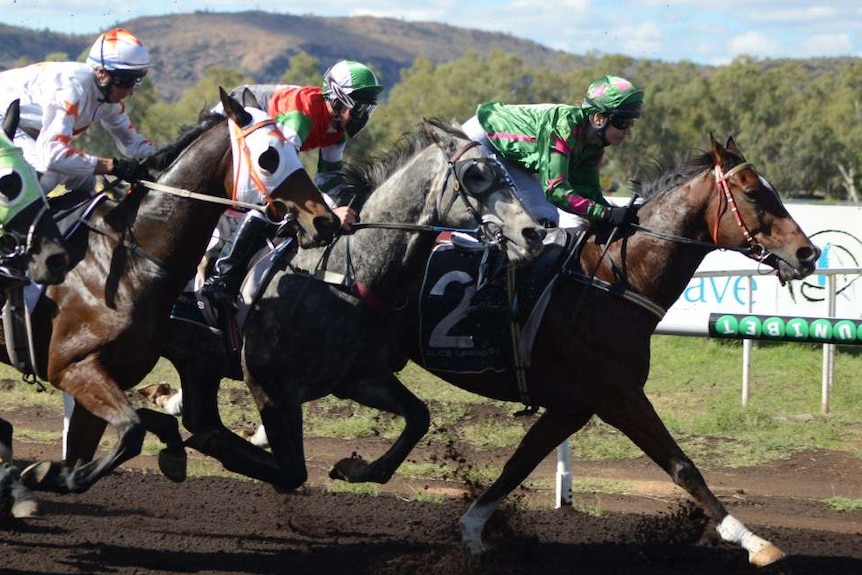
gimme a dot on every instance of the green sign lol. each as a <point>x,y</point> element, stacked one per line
<point>783,328</point>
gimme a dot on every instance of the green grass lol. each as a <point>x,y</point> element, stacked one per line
<point>844,504</point>
<point>695,385</point>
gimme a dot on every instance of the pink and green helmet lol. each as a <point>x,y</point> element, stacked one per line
<point>613,95</point>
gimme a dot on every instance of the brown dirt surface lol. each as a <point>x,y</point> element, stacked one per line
<point>136,521</point>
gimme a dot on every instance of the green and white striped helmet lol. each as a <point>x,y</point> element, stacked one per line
<point>350,82</point>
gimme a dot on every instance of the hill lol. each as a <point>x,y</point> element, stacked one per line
<point>260,44</point>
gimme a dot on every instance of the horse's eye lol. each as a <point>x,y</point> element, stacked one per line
<point>269,160</point>
<point>11,185</point>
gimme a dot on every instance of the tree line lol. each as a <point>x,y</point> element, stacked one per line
<point>800,124</point>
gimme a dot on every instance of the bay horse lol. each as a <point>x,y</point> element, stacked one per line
<point>349,323</point>
<point>590,356</point>
<point>100,332</point>
<point>31,249</point>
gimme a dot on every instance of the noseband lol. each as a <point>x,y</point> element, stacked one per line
<point>16,245</point>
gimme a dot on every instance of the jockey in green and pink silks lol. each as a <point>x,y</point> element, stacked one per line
<point>19,184</point>
<point>563,145</point>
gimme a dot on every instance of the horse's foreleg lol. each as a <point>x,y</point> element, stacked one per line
<point>633,414</point>
<point>172,459</point>
<point>283,423</point>
<point>96,395</point>
<point>546,433</point>
<point>386,394</point>
<point>210,436</point>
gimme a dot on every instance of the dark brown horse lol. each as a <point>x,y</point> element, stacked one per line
<point>101,331</point>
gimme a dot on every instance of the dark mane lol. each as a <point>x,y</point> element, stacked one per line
<point>362,178</point>
<point>164,156</point>
<point>671,172</point>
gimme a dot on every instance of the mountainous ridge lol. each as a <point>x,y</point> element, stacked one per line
<point>260,44</point>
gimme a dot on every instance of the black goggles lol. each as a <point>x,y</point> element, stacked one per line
<point>621,122</point>
<point>126,79</point>
<point>363,109</point>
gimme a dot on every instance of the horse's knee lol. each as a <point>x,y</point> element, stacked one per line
<point>685,473</point>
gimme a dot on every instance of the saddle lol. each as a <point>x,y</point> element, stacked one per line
<point>192,308</point>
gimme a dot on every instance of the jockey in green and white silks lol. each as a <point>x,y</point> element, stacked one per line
<point>19,184</point>
<point>563,145</point>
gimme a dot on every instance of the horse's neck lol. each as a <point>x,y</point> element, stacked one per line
<point>656,268</point>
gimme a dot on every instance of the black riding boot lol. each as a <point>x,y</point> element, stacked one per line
<point>222,287</point>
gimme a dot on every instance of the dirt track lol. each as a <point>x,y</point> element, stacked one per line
<point>138,522</point>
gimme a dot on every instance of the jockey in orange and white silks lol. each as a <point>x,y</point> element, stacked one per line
<point>60,100</point>
<point>563,145</point>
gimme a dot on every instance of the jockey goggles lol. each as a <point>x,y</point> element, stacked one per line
<point>621,122</point>
<point>125,79</point>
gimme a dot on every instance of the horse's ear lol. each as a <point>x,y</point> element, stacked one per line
<point>249,100</point>
<point>731,146</point>
<point>233,109</point>
<point>10,121</point>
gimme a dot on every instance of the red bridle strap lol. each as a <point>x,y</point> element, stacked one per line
<point>721,180</point>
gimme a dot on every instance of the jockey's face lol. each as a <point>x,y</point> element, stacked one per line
<point>115,92</point>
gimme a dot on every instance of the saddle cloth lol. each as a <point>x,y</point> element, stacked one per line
<point>467,316</point>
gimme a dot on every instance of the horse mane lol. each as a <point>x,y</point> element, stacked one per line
<point>363,177</point>
<point>165,155</point>
<point>670,171</point>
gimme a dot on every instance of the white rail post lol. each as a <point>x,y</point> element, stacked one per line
<point>747,346</point>
<point>828,350</point>
<point>564,475</point>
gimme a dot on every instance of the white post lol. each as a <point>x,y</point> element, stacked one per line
<point>564,475</point>
<point>68,406</point>
<point>747,346</point>
<point>828,369</point>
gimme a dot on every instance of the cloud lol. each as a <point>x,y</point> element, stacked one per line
<point>754,44</point>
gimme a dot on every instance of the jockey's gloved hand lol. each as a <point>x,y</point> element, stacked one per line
<point>130,170</point>
<point>619,217</point>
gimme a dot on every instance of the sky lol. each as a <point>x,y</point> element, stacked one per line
<point>705,32</point>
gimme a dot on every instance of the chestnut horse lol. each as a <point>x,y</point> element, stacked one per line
<point>101,331</point>
<point>591,354</point>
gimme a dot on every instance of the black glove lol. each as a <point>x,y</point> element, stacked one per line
<point>617,217</point>
<point>130,170</point>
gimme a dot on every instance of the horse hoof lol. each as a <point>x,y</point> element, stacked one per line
<point>34,475</point>
<point>173,466</point>
<point>766,556</point>
<point>26,508</point>
<point>351,469</point>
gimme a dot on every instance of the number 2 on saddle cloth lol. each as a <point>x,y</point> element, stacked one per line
<point>466,312</point>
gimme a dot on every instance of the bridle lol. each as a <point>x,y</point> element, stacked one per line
<point>488,230</point>
<point>754,250</point>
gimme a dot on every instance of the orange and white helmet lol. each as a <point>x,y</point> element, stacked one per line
<point>121,54</point>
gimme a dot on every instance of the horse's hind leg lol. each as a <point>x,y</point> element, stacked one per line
<point>552,427</point>
<point>386,394</point>
<point>633,414</point>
